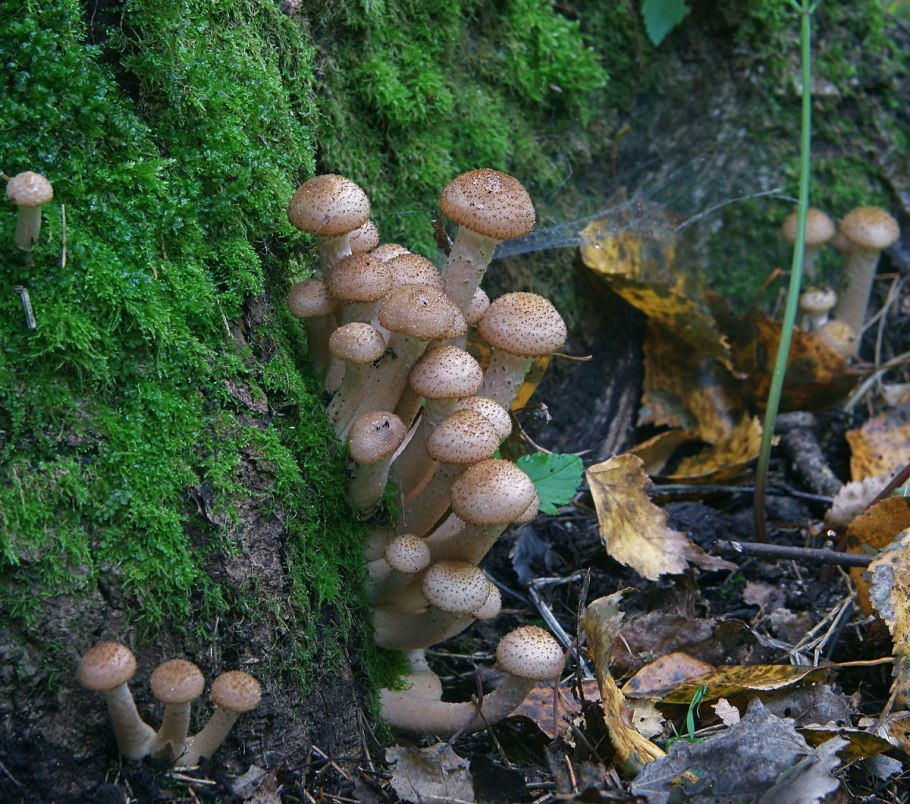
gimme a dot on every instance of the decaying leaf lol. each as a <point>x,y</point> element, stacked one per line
<point>646,718</point>
<point>538,706</point>
<point>727,457</point>
<point>881,445</point>
<point>601,622</point>
<point>889,593</point>
<point>853,498</point>
<point>730,680</point>
<point>859,744</point>
<point>430,774</point>
<point>872,530</point>
<point>634,530</point>
<point>811,779</point>
<point>727,713</point>
<point>665,673</point>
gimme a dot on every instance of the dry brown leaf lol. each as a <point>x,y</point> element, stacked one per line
<point>634,530</point>
<point>611,252</point>
<point>860,744</point>
<point>645,718</point>
<point>734,679</point>
<point>889,593</point>
<point>538,706</point>
<point>656,451</point>
<point>601,622</point>
<point>727,713</point>
<point>727,457</point>
<point>872,530</point>
<point>665,673</point>
<point>430,774</point>
<point>881,445</point>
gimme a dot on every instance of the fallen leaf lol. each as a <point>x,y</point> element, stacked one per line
<point>429,774</point>
<point>810,780</point>
<point>646,718</point>
<point>727,713</point>
<point>859,744</point>
<point>601,622</point>
<point>633,529</point>
<point>889,594</point>
<point>727,457</point>
<point>556,477</point>
<point>538,706</point>
<point>665,673</point>
<point>881,445</point>
<point>853,498</point>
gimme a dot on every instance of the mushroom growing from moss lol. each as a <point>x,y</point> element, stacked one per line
<point>176,683</point>
<point>233,693</point>
<point>107,668</point>
<point>870,230</point>
<point>29,191</point>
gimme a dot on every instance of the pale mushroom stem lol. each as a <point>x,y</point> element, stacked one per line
<point>397,630</point>
<point>209,740</point>
<point>466,264</point>
<point>420,513</point>
<point>414,466</point>
<point>28,227</point>
<point>470,544</point>
<point>347,398</point>
<point>171,739</point>
<point>504,377</point>
<point>369,483</point>
<point>383,582</point>
<point>333,249</point>
<point>133,735</point>
<point>859,272</point>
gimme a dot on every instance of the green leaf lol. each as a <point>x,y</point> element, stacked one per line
<point>662,16</point>
<point>555,476</point>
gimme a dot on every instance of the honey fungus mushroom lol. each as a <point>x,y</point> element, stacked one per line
<point>29,191</point>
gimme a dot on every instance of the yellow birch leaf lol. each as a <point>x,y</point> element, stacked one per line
<point>881,445</point>
<point>727,457</point>
<point>601,622</point>
<point>889,593</point>
<point>665,673</point>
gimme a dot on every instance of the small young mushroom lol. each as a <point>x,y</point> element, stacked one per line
<point>405,556</point>
<point>311,302</point>
<point>819,230</point>
<point>388,251</point>
<point>329,207</point>
<point>107,668</point>
<point>358,283</point>
<point>488,207</point>
<point>29,191</point>
<point>815,304</point>
<point>357,345</point>
<point>364,238</point>
<point>528,655</point>
<point>870,230</point>
<point>520,327</point>
<point>176,683</point>
<point>374,439</point>
<point>233,693</point>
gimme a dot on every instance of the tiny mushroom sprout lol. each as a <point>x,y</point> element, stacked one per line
<point>528,655</point>
<point>29,191</point>
<point>819,230</point>
<point>329,207</point>
<point>233,693</point>
<point>870,230</point>
<point>176,683</point>
<point>815,304</point>
<point>489,207</point>
<point>520,327</point>
<point>107,668</point>
<point>374,439</point>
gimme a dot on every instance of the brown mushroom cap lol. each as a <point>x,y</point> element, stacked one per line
<point>492,492</point>
<point>29,189</point>
<point>310,299</point>
<point>359,278</point>
<point>364,238</point>
<point>236,691</point>
<point>491,410</point>
<point>412,269</point>
<point>420,311</point>
<point>357,342</point>
<point>870,227</point>
<point>819,227</point>
<point>816,301</point>
<point>490,203</point>
<point>375,436</point>
<point>523,324</point>
<point>176,681</point>
<point>106,666</point>
<point>455,586</point>
<point>388,251</point>
<point>530,652</point>
<point>408,553</point>
<point>446,373</point>
<point>328,206</point>
<point>465,437</point>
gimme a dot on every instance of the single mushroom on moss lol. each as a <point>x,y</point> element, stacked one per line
<point>176,683</point>
<point>107,668</point>
<point>819,230</point>
<point>528,655</point>
<point>869,230</point>
<point>520,327</point>
<point>329,207</point>
<point>29,191</point>
<point>233,693</point>
<point>374,439</point>
<point>489,207</point>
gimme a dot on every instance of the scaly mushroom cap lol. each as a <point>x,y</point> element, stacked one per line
<point>530,513</point>
<point>310,299</point>
<point>407,553</point>
<point>817,301</point>
<point>490,203</point>
<point>819,227</point>
<point>329,206</point>
<point>465,437</point>
<point>357,342</point>
<point>236,691</point>
<point>29,189</point>
<point>491,410</point>
<point>412,269</point>
<point>523,324</point>
<point>530,652</point>
<point>419,311</point>
<point>491,606</point>
<point>176,681</point>
<point>375,436</point>
<point>446,373</point>
<point>364,238</point>
<point>388,251</point>
<point>455,586</point>
<point>492,492</point>
<point>359,278</point>
<point>870,227</point>
<point>106,666</point>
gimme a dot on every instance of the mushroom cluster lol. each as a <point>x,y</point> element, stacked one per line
<point>108,667</point>
<point>420,415</point>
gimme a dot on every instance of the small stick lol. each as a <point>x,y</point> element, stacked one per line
<point>773,551</point>
<point>27,306</point>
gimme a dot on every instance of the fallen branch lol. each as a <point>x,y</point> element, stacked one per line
<point>774,551</point>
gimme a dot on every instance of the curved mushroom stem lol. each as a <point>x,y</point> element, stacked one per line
<point>397,630</point>
<point>384,582</point>
<point>134,736</point>
<point>209,740</point>
<point>470,544</point>
<point>171,740</point>
<point>419,514</point>
<point>414,466</point>
<point>504,377</point>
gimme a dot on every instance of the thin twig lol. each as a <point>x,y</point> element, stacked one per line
<point>820,555</point>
